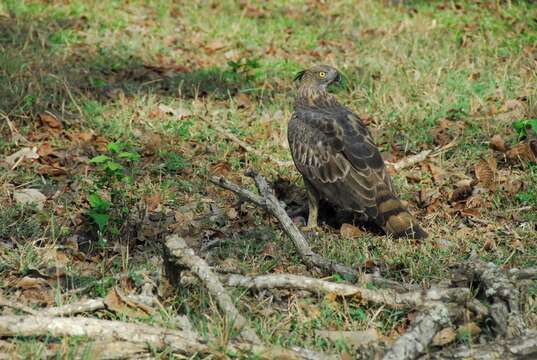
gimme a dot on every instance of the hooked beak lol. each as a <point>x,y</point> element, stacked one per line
<point>338,78</point>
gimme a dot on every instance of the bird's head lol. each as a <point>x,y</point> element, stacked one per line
<point>318,77</point>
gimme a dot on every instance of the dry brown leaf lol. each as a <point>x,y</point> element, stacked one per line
<point>221,168</point>
<point>461,193</point>
<point>242,100</point>
<point>470,212</point>
<point>484,174</point>
<point>50,120</point>
<point>470,328</point>
<point>444,337</point>
<point>331,297</point>
<point>498,143</point>
<point>269,250</point>
<point>116,302</point>
<point>437,172</point>
<point>153,202</point>
<point>28,282</point>
<point>440,133</point>
<point>350,231</point>
<point>521,151</point>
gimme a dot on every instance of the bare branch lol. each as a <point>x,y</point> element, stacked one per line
<point>376,296</point>
<point>523,347</point>
<point>416,340</point>
<point>83,306</point>
<point>270,203</point>
<point>184,256</point>
<point>142,337</point>
<point>505,309</point>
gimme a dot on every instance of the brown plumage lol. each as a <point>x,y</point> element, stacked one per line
<point>336,155</point>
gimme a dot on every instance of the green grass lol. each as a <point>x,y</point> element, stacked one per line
<point>106,68</point>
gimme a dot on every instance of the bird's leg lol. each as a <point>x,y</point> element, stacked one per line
<point>313,205</point>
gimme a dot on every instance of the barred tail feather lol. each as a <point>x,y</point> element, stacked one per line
<point>394,218</point>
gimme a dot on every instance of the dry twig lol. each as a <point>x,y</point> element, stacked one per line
<point>83,306</point>
<point>377,296</point>
<point>182,255</point>
<point>270,203</point>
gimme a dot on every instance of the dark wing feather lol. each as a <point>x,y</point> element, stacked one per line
<point>335,152</point>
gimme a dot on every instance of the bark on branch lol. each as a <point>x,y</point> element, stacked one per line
<point>417,339</point>
<point>386,297</point>
<point>523,347</point>
<point>505,296</point>
<point>271,204</point>
<point>142,337</point>
<point>182,255</point>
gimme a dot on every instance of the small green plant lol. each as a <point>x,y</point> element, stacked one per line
<point>242,70</point>
<point>523,126</point>
<point>116,172</point>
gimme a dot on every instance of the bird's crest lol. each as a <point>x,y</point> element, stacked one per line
<point>299,75</point>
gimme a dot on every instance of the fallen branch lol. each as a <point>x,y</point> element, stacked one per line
<point>152,338</point>
<point>83,306</point>
<point>416,340</point>
<point>17,306</point>
<point>411,160</point>
<point>505,296</point>
<point>156,337</point>
<point>270,203</point>
<point>389,298</point>
<point>421,156</point>
<point>184,256</point>
<point>523,347</point>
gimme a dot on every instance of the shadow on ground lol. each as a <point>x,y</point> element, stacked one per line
<point>39,72</point>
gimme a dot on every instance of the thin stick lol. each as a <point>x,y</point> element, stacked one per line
<point>84,306</point>
<point>411,160</point>
<point>184,256</point>
<point>270,203</point>
<point>377,296</point>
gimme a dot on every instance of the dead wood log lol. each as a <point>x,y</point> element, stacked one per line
<point>184,256</point>
<point>418,338</point>
<point>271,204</point>
<point>504,295</point>
<point>139,336</point>
<point>386,297</point>
<point>523,347</point>
<point>156,337</point>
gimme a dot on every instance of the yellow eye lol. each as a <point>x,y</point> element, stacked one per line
<point>322,74</point>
